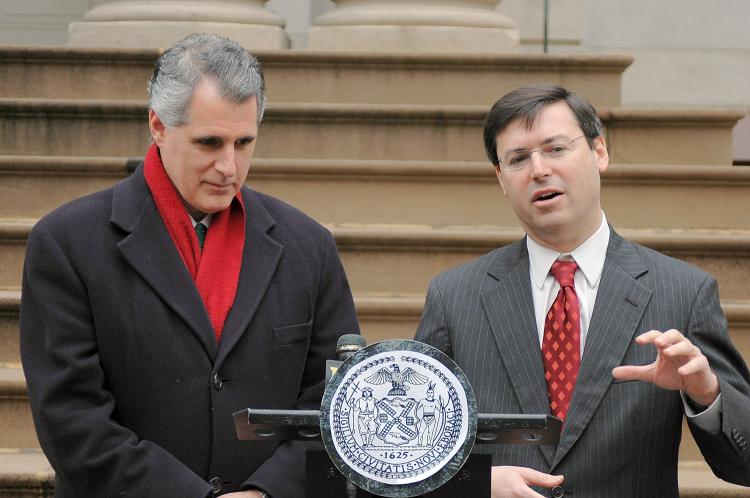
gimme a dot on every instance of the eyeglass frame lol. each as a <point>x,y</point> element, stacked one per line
<point>539,149</point>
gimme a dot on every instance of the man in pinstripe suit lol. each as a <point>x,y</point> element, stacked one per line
<point>653,338</point>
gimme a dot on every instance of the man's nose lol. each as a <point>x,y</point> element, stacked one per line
<point>225,163</point>
<point>538,165</point>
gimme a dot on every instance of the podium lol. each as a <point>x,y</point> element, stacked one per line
<point>398,419</point>
<point>324,480</point>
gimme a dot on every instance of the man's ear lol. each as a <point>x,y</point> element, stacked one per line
<point>499,174</point>
<point>157,128</point>
<point>601,155</point>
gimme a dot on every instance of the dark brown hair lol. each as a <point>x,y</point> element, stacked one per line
<point>526,102</point>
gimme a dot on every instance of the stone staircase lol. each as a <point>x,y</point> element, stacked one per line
<point>386,151</point>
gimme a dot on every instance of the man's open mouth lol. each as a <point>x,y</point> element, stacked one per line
<point>545,196</point>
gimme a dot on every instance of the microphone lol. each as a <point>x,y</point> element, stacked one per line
<point>346,346</point>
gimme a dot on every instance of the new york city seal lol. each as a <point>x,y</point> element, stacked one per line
<point>401,418</point>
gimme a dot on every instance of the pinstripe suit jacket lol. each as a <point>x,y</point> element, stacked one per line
<point>620,438</point>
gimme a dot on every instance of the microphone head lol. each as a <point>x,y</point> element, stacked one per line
<point>350,343</point>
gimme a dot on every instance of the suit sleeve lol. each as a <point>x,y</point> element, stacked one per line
<point>282,475</point>
<point>433,328</point>
<point>73,411</point>
<point>725,452</point>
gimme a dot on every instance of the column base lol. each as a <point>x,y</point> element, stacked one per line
<point>451,39</point>
<point>162,34</point>
<point>160,23</point>
<point>458,27</point>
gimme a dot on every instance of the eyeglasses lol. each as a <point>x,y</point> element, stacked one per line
<point>519,159</point>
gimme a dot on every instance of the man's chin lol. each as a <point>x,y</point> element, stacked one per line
<point>216,204</point>
<point>199,210</point>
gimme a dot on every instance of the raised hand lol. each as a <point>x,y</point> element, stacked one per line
<point>679,365</point>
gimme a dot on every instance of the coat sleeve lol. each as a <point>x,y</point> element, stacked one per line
<point>282,475</point>
<point>725,453</point>
<point>74,413</point>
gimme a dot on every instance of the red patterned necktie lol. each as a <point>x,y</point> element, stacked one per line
<point>561,345</point>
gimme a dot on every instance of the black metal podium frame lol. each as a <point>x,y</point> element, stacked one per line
<point>325,481</point>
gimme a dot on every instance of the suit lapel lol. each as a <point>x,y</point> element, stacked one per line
<point>151,252</point>
<point>260,257</point>
<point>620,303</point>
<point>509,309</point>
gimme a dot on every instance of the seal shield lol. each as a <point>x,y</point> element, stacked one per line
<point>398,418</point>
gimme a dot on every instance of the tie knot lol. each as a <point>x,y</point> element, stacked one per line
<point>564,272</point>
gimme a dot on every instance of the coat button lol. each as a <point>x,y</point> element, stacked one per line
<point>216,483</point>
<point>557,492</point>
<point>218,381</point>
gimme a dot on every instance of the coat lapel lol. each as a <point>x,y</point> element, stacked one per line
<point>509,308</point>
<point>260,257</point>
<point>620,303</point>
<point>150,251</point>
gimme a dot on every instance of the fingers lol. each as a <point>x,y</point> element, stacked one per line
<point>648,337</point>
<point>679,364</point>
<point>697,365</point>
<point>660,339</point>
<point>632,372</point>
<point>682,348</point>
<point>671,344</point>
<point>514,482</point>
<point>702,385</point>
<point>536,478</point>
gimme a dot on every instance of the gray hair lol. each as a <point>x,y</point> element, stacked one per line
<point>197,57</point>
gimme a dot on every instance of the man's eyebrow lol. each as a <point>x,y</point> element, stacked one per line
<point>205,138</point>
<point>544,142</point>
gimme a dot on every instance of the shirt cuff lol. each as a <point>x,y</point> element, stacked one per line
<point>709,419</point>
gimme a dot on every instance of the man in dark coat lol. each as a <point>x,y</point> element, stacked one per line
<point>153,310</point>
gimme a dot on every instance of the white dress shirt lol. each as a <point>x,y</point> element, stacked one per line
<point>590,257</point>
<point>206,220</point>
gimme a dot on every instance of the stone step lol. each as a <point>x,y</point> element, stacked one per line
<point>24,466</point>
<point>32,186</point>
<point>381,316</point>
<point>385,78</point>
<point>411,192</point>
<point>25,473</point>
<point>401,259</point>
<point>697,481</point>
<point>361,131</point>
<point>15,412</point>
<point>10,305</point>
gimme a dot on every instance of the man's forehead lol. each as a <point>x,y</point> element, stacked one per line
<point>208,104</point>
<point>554,120</point>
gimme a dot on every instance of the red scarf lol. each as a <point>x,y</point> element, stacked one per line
<point>215,270</point>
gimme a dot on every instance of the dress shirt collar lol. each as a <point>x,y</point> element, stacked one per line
<point>589,256</point>
<point>206,220</point>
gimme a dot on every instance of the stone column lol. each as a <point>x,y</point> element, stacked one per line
<point>456,26</point>
<point>159,23</point>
